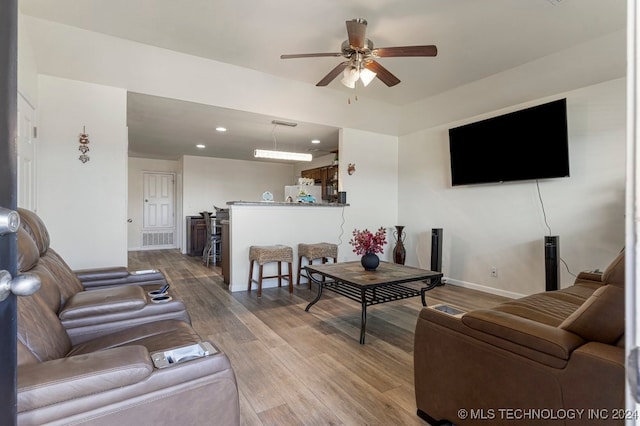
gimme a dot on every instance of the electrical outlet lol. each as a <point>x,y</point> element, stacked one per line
<point>494,272</point>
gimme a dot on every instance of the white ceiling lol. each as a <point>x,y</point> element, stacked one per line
<point>475,39</point>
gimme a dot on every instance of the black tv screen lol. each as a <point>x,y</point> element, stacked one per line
<point>528,144</point>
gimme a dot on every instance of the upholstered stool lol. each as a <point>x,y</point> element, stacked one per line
<point>322,251</point>
<point>268,254</point>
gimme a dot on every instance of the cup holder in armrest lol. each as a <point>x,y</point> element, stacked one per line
<point>182,354</point>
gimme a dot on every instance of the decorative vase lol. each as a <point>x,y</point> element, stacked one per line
<point>370,261</point>
<point>399,252</point>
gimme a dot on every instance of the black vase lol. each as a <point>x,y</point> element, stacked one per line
<point>399,252</point>
<point>370,261</point>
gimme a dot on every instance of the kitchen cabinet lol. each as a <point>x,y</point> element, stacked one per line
<point>327,177</point>
<point>196,235</point>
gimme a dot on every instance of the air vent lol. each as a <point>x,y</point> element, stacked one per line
<point>158,239</point>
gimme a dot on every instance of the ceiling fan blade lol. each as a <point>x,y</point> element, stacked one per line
<point>333,74</point>
<point>309,55</point>
<point>382,73</point>
<point>356,29</point>
<point>390,52</point>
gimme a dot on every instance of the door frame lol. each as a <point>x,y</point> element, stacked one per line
<point>8,199</point>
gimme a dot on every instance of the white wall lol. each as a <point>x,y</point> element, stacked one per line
<point>83,205</point>
<point>27,69</point>
<point>137,166</point>
<point>209,182</point>
<point>502,225</point>
<point>372,191</point>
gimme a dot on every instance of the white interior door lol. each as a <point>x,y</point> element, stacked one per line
<point>158,212</point>
<point>26,149</point>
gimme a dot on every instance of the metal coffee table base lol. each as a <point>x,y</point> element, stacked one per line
<point>367,296</point>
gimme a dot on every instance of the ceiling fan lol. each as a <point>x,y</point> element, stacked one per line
<point>361,54</point>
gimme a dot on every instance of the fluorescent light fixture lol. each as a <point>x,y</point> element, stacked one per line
<point>221,129</point>
<point>200,146</point>
<point>282,155</point>
<point>284,123</point>
<point>315,141</point>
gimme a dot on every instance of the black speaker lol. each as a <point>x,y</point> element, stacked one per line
<point>551,262</point>
<point>436,249</point>
<point>342,197</point>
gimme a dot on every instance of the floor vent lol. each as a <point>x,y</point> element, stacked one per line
<point>158,238</point>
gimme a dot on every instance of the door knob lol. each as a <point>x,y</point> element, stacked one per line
<point>9,221</point>
<point>22,285</point>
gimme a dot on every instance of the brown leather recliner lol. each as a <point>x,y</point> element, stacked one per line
<point>131,376</point>
<point>552,358</point>
<point>87,314</point>
<point>86,279</point>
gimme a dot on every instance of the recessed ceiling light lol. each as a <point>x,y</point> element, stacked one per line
<point>221,129</point>
<point>200,146</point>
<point>315,141</point>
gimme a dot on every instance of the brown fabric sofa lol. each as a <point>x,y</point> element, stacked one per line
<point>550,358</point>
<point>111,375</point>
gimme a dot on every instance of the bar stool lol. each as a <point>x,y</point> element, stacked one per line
<point>267,254</point>
<point>322,251</point>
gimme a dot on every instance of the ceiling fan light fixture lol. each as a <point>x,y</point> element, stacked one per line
<point>367,76</point>
<point>282,155</point>
<point>349,77</point>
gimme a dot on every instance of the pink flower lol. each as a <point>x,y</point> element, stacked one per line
<point>366,242</point>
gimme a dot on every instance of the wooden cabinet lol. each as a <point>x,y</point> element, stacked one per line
<point>196,235</point>
<point>327,177</point>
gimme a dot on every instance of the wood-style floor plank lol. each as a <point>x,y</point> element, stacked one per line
<point>307,368</point>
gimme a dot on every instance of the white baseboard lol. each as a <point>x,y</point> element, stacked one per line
<point>151,248</point>
<point>483,288</point>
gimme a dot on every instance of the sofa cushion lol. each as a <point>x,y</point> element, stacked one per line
<point>103,301</point>
<point>600,318</point>
<point>35,227</point>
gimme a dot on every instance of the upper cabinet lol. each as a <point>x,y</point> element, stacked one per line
<point>327,178</point>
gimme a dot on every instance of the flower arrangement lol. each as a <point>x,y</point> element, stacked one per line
<point>367,242</point>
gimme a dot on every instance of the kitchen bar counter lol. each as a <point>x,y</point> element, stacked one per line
<point>268,223</point>
<point>282,203</point>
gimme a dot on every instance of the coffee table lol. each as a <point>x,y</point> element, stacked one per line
<point>389,282</point>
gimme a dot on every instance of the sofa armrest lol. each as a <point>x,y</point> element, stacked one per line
<point>87,275</point>
<point>64,379</point>
<point>93,279</point>
<point>103,302</point>
<point>590,276</point>
<point>524,332</point>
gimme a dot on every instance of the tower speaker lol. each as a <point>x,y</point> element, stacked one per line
<point>551,262</point>
<point>436,249</point>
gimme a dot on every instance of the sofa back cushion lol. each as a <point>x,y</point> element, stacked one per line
<point>32,223</point>
<point>614,274</point>
<point>66,280</point>
<point>601,316</point>
<point>28,254</point>
<point>40,331</point>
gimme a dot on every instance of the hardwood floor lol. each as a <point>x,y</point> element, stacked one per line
<point>307,368</point>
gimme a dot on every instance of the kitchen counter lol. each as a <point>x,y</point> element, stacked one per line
<point>282,203</point>
<point>265,223</point>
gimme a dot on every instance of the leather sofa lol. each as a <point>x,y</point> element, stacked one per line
<point>86,279</point>
<point>155,372</point>
<point>540,359</point>
<point>83,313</point>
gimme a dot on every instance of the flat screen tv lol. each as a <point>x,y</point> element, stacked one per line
<point>523,145</point>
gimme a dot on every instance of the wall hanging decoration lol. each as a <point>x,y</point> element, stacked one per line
<point>84,146</point>
<point>351,169</point>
